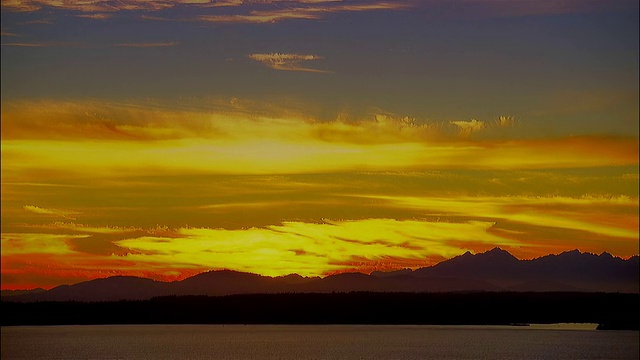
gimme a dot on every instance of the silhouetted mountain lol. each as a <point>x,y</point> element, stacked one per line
<point>494,264</point>
<point>20,292</point>
<point>223,282</point>
<point>571,270</point>
<point>107,289</point>
<point>495,270</point>
<point>391,273</point>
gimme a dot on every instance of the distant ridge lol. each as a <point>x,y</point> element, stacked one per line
<point>494,270</point>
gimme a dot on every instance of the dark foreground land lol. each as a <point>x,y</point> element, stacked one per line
<point>610,310</point>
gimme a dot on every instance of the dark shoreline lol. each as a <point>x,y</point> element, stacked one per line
<point>612,311</point>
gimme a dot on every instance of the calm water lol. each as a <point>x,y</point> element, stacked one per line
<point>156,342</point>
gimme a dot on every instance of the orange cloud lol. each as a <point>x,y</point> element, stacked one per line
<point>107,6</point>
<point>308,13</point>
<point>55,212</point>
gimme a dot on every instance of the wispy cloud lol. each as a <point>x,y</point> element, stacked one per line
<point>38,22</point>
<point>303,12</point>
<point>541,211</point>
<point>147,45</point>
<point>41,44</point>
<point>244,11</point>
<point>288,62</point>
<point>468,127</point>
<point>265,11</point>
<point>99,16</point>
<point>67,214</point>
<point>90,6</point>
<point>8,33</point>
<point>505,121</point>
<point>79,45</point>
<point>152,5</point>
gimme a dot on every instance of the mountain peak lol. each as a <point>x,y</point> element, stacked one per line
<point>496,252</point>
<point>606,255</point>
<point>572,252</point>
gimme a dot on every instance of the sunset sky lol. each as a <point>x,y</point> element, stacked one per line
<point>166,138</point>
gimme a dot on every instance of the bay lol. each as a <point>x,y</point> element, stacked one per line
<point>283,342</point>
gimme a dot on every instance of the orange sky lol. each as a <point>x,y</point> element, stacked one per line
<point>93,189</point>
<point>166,138</point>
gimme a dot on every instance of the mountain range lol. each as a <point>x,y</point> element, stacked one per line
<point>494,270</point>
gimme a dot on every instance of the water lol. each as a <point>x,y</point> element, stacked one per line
<point>156,342</point>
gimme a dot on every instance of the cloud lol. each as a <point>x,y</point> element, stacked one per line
<point>55,212</point>
<point>32,260</point>
<point>85,229</point>
<point>272,11</point>
<point>147,45</point>
<point>298,12</point>
<point>41,44</point>
<point>99,16</point>
<point>130,140</point>
<point>275,224</point>
<point>293,247</point>
<point>469,127</point>
<point>246,11</point>
<point>260,17</point>
<point>68,44</point>
<point>89,6</point>
<point>505,121</point>
<point>288,62</point>
<point>106,6</point>
<point>38,21</point>
<point>309,249</point>
<point>555,211</point>
<point>8,33</point>
<point>34,244</point>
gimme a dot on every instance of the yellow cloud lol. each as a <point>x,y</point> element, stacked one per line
<point>35,244</point>
<point>294,247</point>
<point>468,127</point>
<point>537,211</point>
<point>112,140</point>
<point>505,121</point>
<point>309,249</point>
<point>289,62</point>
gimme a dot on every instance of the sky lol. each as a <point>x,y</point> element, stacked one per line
<point>166,138</point>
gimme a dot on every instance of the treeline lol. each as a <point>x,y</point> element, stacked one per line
<point>610,310</point>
